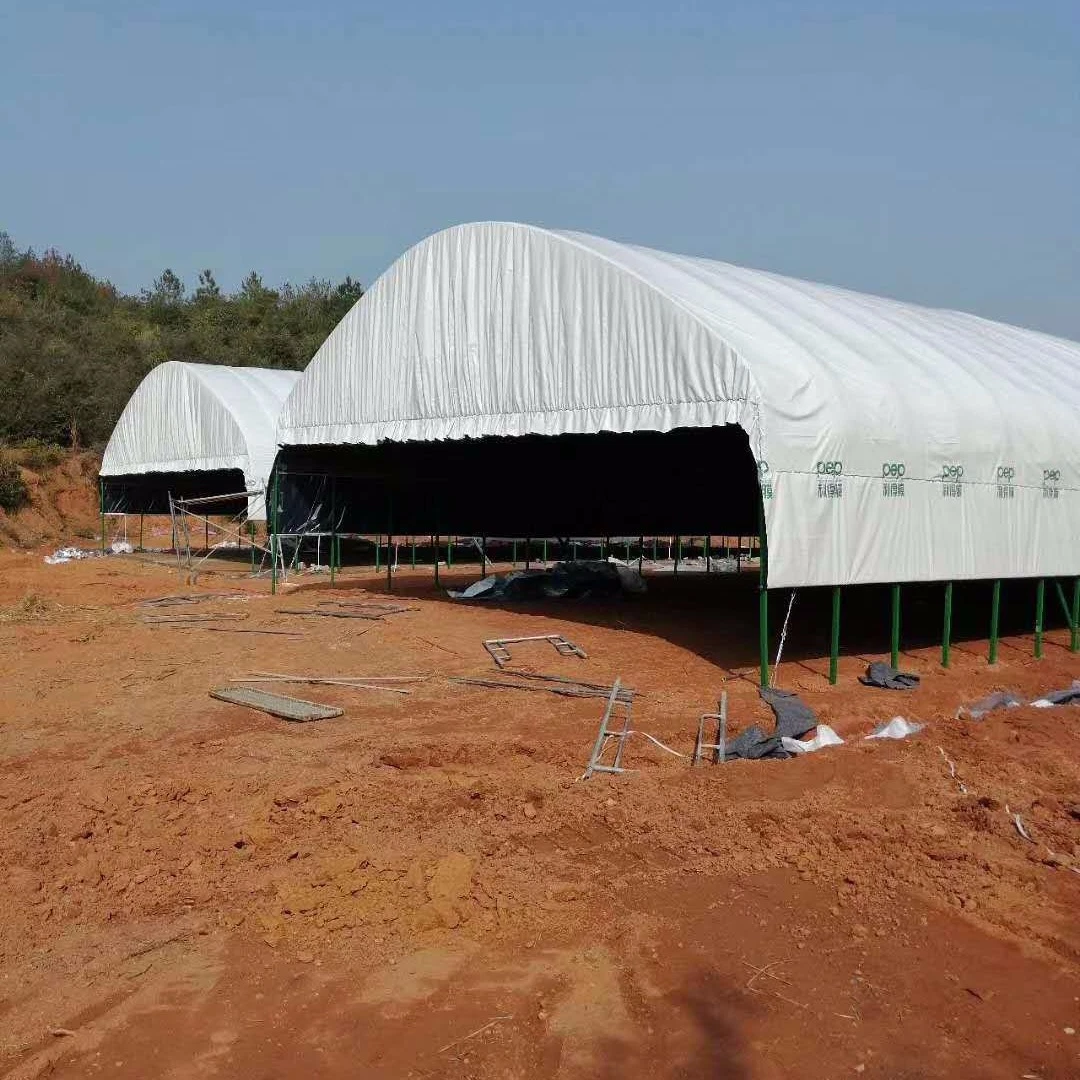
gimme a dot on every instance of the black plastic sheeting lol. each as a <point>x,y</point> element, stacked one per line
<point>691,480</point>
<point>793,718</point>
<point>884,677</point>
<point>563,581</point>
<point>148,493</point>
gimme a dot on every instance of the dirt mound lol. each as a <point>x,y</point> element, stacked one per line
<point>63,504</point>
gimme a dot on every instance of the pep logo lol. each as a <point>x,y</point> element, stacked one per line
<point>762,468</point>
<point>893,470</point>
<point>830,468</point>
<point>952,473</point>
<point>1006,473</point>
<point>1051,476</point>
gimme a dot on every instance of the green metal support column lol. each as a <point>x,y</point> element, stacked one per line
<point>1040,604</point>
<point>414,552</point>
<point>101,510</point>
<point>483,556</point>
<point>640,553</point>
<point>435,554</point>
<point>333,559</point>
<point>545,553</point>
<point>273,526</point>
<point>763,599</point>
<point>894,647</point>
<point>449,552</point>
<point>708,554</point>
<point>389,563</point>
<point>834,637</point>
<point>946,630</point>
<point>654,549</point>
<point>995,619</point>
<point>678,552</point>
<point>513,554</point>
<point>1074,633</point>
<point>627,550</point>
<point>378,544</point>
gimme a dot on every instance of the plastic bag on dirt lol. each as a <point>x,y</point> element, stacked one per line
<point>896,728</point>
<point>823,736</point>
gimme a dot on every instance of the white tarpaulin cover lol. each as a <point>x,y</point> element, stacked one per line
<point>893,442</point>
<point>200,417</point>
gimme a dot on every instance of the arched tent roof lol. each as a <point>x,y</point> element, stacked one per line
<point>201,418</point>
<point>894,442</point>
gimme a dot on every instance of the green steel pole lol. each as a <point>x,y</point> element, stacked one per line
<point>946,630</point>
<point>1040,603</point>
<point>640,554</point>
<point>678,552</point>
<point>449,552</point>
<point>101,510</point>
<point>894,648</point>
<point>483,556</point>
<point>389,563</point>
<point>435,553</point>
<point>763,600</point>
<point>1074,635</point>
<point>414,552</point>
<point>273,523</point>
<point>627,550</point>
<point>513,554</point>
<point>545,553</point>
<point>654,549</point>
<point>378,543</point>
<point>834,637</point>
<point>708,554</point>
<point>995,619</point>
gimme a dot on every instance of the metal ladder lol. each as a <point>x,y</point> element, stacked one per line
<point>719,747</point>
<point>623,699</point>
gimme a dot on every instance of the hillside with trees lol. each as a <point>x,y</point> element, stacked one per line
<point>73,347</point>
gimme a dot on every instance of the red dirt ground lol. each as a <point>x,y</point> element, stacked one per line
<point>424,888</point>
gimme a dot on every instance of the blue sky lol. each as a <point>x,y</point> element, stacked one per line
<point>925,150</point>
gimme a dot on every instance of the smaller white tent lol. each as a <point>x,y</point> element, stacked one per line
<point>191,418</point>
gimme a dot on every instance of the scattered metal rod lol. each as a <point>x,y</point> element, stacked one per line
<point>604,687</point>
<point>473,1034</point>
<point>346,678</point>
<point>562,689</point>
<point>497,650</point>
<point>348,684</point>
<point>229,629</point>
<point>176,620</point>
<point>193,598</point>
<point>343,613</point>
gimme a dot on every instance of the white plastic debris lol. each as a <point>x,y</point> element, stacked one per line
<point>896,728</point>
<point>823,736</point>
<point>121,547</point>
<point>69,554</point>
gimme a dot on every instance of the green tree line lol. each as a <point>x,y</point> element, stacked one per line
<point>73,347</point>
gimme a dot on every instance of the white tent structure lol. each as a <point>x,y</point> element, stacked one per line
<point>893,442</point>
<point>201,419</point>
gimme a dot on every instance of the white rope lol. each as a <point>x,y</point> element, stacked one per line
<point>783,636</point>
